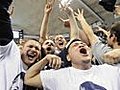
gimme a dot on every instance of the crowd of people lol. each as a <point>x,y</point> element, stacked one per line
<point>85,62</point>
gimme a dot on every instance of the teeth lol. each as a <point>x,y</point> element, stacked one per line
<point>61,43</point>
<point>30,58</point>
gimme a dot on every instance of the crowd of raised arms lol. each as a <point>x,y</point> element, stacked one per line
<point>88,61</point>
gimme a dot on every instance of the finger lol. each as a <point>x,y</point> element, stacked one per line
<point>61,5</point>
<point>76,13</point>
<point>50,62</point>
<point>58,63</point>
<point>52,2</point>
<point>54,62</point>
<point>82,11</point>
<point>68,1</point>
<point>115,59</point>
<point>61,19</point>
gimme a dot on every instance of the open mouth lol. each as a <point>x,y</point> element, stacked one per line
<point>83,51</point>
<point>31,55</point>
<point>48,49</point>
<point>61,43</point>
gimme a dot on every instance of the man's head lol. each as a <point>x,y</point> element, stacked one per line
<point>31,52</point>
<point>78,53</point>
<point>108,5</point>
<point>117,9</point>
<point>114,35</point>
<point>48,47</point>
<point>60,41</point>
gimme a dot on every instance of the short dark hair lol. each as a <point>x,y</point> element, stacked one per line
<point>115,29</point>
<point>108,5</point>
<point>64,52</point>
<point>70,42</point>
<point>31,39</point>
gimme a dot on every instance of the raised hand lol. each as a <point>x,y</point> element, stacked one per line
<point>65,21</point>
<point>79,15</point>
<point>66,8</point>
<point>48,8</point>
<point>50,2</point>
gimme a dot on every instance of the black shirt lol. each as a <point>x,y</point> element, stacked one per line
<point>6,34</point>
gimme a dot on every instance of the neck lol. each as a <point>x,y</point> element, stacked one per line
<point>82,66</point>
<point>116,46</point>
<point>25,67</point>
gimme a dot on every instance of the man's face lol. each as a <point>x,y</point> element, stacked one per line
<point>117,10</point>
<point>49,47</point>
<point>110,40</point>
<point>31,52</point>
<point>79,53</point>
<point>60,41</point>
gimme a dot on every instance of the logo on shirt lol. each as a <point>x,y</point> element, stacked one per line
<point>90,86</point>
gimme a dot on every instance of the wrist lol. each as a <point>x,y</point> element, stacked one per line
<point>45,60</point>
<point>46,14</point>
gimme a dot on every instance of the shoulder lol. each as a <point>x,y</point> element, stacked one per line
<point>55,72</point>
<point>108,68</point>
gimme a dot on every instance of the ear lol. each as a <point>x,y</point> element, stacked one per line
<point>114,38</point>
<point>68,58</point>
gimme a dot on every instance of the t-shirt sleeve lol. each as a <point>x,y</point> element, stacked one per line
<point>48,79</point>
<point>99,49</point>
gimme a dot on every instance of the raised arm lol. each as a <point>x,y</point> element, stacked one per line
<point>32,76</point>
<point>6,34</point>
<point>73,23</point>
<point>11,10</point>
<point>44,25</point>
<point>75,30</point>
<point>86,27</point>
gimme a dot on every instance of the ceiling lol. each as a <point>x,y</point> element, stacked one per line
<point>28,15</point>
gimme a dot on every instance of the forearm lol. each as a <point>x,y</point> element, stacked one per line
<point>112,57</point>
<point>6,34</point>
<point>83,37</point>
<point>36,68</point>
<point>32,77</point>
<point>88,31</point>
<point>44,27</point>
<point>73,27</point>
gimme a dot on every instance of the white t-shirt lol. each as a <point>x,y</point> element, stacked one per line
<point>102,77</point>
<point>10,66</point>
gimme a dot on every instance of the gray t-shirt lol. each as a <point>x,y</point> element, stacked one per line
<point>99,49</point>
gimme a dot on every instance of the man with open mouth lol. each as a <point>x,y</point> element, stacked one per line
<point>60,43</point>
<point>30,53</point>
<point>81,75</point>
<point>48,47</point>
